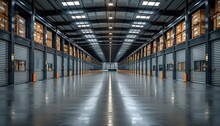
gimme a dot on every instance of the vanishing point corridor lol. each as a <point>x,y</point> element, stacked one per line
<point>109,99</point>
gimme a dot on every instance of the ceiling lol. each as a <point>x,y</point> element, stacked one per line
<point>88,22</point>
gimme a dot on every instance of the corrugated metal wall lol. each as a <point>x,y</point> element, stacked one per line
<point>197,54</point>
<point>75,68</point>
<point>38,64</point>
<point>3,63</point>
<point>65,66</point>
<point>59,65</point>
<point>21,53</point>
<point>169,60</point>
<point>144,66</point>
<point>50,59</point>
<point>216,62</point>
<point>153,63</point>
<point>180,57</point>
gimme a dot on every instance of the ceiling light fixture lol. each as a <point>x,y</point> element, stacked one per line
<point>138,26</point>
<point>110,3</point>
<point>150,3</point>
<point>110,33</point>
<point>71,3</point>
<point>110,17</point>
<point>78,17</point>
<point>83,26</point>
<point>110,27</point>
<point>142,17</point>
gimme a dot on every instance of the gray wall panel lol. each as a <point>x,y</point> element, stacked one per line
<point>65,66</point>
<point>216,63</point>
<point>50,59</point>
<point>153,63</point>
<point>169,60</point>
<point>59,65</point>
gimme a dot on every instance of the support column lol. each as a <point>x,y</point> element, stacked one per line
<point>174,53</point>
<point>151,58</point>
<point>208,44</point>
<point>45,52</point>
<point>55,55</point>
<point>163,56</point>
<point>11,56</point>
<point>156,72</point>
<point>68,60</point>
<point>62,49</point>
<point>187,50</point>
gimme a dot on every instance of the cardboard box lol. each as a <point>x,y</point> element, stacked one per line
<point>3,22</point>
<point>178,38</point>
<point>38,37</point>
<point>169,43</point>
<point>179,28</point>
<point>49,35</point>
<point>183,26</point>
<point>198,30</point>
<point>198,17</point>
<point>217,6</point>
<point>4,7</point>
<point>65,48</point>
<point>71,50</point>
<point>49,43</point>
<point>154,47</point>
<point>19,20</point>
<point>216,21</point>
<point>38,27</point>
<point>183,36</point>
<point>58,43</point>
<point>20,30</point>
<point>169,34</point>
<point>148,49</point>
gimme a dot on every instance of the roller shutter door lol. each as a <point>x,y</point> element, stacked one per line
<point>59,65</point>
<point>197,54</point>
<point>65,67</point>
<point>180,57</point>
<point>169,60</point>
<point>71,67</point>
<point>3,63</point>
<point>50,60</point>
<point>160,62</point>
<point>21,53</point>
<point>38,64</point>
<point>216,63</point>
<point>148,67</point>
<point>144,66</point>
<point>153,63</point>
<point>75,66</point>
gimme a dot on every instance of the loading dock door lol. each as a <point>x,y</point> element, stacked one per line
<point>38,64</point>
<point>50,62</point>
<point>59,65</point>
<point>180,58</point>
<point>197,55</point>
<point>169,62</point>
<point>154,67</point>
<point>3,63</point>
<point>21,55</point>
<point>216,63</point>
<point>65,67</point>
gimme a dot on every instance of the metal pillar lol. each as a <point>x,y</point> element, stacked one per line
<point>156,72</point>
<point>55,55</point>
<point>45,52</point>
<point>62,49</point>
<point>174,54</point>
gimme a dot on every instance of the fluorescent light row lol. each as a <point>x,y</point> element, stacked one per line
<point>150,3</point>
<point>90,36</point>
<point>86,31</point>
<point>129,40</point>
<point>131,36</point>
<point>71,3</point>
<point>142,17</point>
<point>138,26</point>
<point>78,17</point>
<point>83,26</point>
<point>134,31</point>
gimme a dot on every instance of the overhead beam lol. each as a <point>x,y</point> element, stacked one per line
<point>73,11</point>
<point>114,29</point>
<point>111,21</point>
<point>107,34</point>
<point>113,39</point>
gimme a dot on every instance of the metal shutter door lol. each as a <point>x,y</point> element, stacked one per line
<point>59,65</point>
<point>71,67</point>
<point>148,67</point>
<point>180,57</point>
<point>50,59</point>
<point>160,62</point>
<point>21,53</point>
<point>65,66</point>
<point>169,60</point>
<point>153,63</point>
<point>75,66</point>
<point>197,53</point>
<point>38,64</point>
<point>144,66</point>
<point>3,63</point>
<point>216,63</point>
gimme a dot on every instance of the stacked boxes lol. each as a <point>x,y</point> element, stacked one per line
<point>4,15</point>
<point>74,51</point>
<point>20,26</point>
<point>38,32</point>
<point>160,44</point>
<point>71,50</point>
<point>49,39</point>
<point>58,43</point>
<point>180,32</point>
<point>169,40</point>
<point>154,49</point>
<point>148,49</point>
<point>198,23</point>
<point>216,17</point>
<point>66,48</point>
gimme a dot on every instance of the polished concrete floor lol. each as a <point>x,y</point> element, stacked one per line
<point>110,99</point>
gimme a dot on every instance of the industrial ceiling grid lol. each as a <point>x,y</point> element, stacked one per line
<point>97,15</point>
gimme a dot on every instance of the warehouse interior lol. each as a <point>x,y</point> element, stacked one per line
<point>109,62</point>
